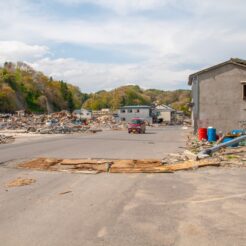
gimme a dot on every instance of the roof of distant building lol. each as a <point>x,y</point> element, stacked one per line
<point>164,107</point>
<point>235,61</point>
<point>136,107</point>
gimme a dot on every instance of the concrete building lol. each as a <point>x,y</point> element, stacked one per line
<point>126,113</point>
<point>164,114</point>
<point>82,114</point>
<point>219,96</point>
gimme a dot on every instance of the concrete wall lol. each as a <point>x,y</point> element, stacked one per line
<point>166,116</point>
<point>143,113</point>
<point>220,101</point>
<point>195,101</point>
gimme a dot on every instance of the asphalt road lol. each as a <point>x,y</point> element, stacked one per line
<point>203,207</point>
<point>107,144</point>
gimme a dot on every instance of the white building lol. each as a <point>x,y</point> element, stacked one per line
<point>82,114</point>
<point>165,113</point>
<point>127,113</point>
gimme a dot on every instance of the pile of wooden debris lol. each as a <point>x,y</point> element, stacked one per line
<point>114,166</point>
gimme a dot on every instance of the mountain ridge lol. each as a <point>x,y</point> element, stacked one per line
<point>22,87</point>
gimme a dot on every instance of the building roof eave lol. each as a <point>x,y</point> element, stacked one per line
<point>235,61</point>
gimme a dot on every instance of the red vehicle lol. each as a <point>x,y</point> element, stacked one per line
<point>137,125</point>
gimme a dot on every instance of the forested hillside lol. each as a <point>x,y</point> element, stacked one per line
<point>21,87</point>
<point>134,95</point>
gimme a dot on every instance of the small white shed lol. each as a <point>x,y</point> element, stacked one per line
<point>82,114</point>
<point>165,113</point>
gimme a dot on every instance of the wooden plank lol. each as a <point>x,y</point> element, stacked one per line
<point>83,161</point>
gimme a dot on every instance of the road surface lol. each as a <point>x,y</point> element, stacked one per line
<point>107,144</point>
<point>203,207</point>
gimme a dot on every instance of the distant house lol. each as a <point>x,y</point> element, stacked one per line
<point>21,113</point>
<point>82,114</point>
<point>219,96</point>
<point>126,113</point>
<point>105,110</point>
<point>164,114</point>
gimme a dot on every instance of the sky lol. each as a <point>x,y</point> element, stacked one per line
<point>102,44</point>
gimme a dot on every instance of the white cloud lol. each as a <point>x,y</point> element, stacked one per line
<point>15,51</point>
<point>210,32</point>
<point>96,76</point>
<point>122,6</point>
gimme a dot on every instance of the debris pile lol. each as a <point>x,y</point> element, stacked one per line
<point>195,146</point>
<point>231,157</point>
<point>61,122</point>
<point>229,153</point>
<point>107,122</point>
<point>114,166</point>
<point>57,123</point>
<point>6,139</point>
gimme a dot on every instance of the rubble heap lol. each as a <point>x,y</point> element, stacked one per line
<point>57,123</point>
<point>107,122</point>
<point>226,156</point>
<point>6,139</point>
<point>195,146</point>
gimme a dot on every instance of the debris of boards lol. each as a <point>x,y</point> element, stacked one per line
<point>20,182</point>
<point>40,164</point>
<point>156,167</point>
<point>114,166</point>
<point>136,166</point>
<point>186,165</point>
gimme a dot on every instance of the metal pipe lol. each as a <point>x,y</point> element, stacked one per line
<point>210,151</point>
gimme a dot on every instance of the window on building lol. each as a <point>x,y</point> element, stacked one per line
<point>129,110</point>
<point>137,110</point>
<point>123,111</point>
<point>244,91</point>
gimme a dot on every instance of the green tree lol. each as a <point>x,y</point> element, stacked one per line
<point>70,102</point>
<point>64,90</point>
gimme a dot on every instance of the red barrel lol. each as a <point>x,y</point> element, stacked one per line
<point>202,134</point>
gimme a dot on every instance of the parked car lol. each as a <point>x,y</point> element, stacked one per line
<point>136,125</point>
